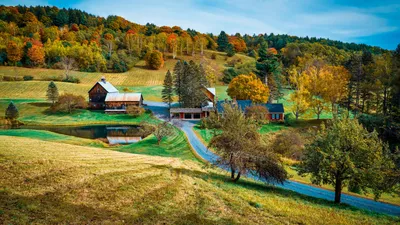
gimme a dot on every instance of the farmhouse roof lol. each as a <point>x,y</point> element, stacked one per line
<point>124,97</point>
<point>243,104</point>
<point>185,110</point>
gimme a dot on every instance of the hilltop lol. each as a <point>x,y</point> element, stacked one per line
<point>46,182</point>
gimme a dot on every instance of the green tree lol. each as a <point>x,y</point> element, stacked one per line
<point>12,112</point>
<point>222,41</point>
<point>230,51</point>
<point>52,92</point>
<point>62,18</point>
<point>240,149</point>
<point>168,89</point>
<point>344,152</point>
<point>269,69</point>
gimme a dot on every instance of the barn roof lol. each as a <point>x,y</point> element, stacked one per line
<point>124,97</point>
<point>212,90</point>
<point>243,104</point>
<point>108,86</point>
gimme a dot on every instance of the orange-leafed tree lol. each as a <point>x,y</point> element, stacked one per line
<point>36,54</point>
<point>248,87</point>
<point>272,51</point>
<point>238,43</point>
<point>172,42</point>
<point>14,52</point>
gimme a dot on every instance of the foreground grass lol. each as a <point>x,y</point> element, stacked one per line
<point>47,183</point>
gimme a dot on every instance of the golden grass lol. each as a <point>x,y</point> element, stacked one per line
<point>47,183</point>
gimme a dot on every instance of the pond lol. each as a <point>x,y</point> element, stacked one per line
<point>112,134</point>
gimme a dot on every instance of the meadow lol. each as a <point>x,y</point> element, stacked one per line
<point>48,182</point>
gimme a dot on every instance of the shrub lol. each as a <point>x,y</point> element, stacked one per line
<point>134,110</point>
<point>69,102</point>
<point>71,79</point>
<point>258,113</point>
<point>289,119</point>
<point>154,60</point>
<point>213,56</point>
<point>28,77</point>
<point>210,122</point>
<point>289,143</point>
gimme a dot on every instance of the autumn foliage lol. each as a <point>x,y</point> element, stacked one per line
<point>154,60</point>
<point>36,54</point>
<point>248,87</point>
<point>14,52</point>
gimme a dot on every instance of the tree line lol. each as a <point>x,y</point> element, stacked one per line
<point>49,36</point>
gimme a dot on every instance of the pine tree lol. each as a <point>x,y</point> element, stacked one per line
<point>222,41</point>
<point>12,112</point>
<point>230,51</point>
<point>52,93</point>
<point>178,80</point>
<point>168,90</point>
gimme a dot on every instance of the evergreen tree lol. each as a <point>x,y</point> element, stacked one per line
<point>52,93</point>
<point>168,89</point>
<point>62,18</point>
<point>230,51</point>
<point>269,68</point>
<point>178,72</point>
<point>12,112</point>
<point>222,41</point>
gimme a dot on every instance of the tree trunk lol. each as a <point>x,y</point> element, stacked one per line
<point>338,190</point>
<point>384,101</point>
<point>237,177</point>
<point>232,173</point>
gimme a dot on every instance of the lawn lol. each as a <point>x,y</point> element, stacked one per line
<point>51,183</point>
<point>35,112</point>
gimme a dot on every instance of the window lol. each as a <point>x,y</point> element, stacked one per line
<point>188,116</point>
<point>196,116</point>
<point>273,116</point>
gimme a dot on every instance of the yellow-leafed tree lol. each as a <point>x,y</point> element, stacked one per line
<point>248,87</point>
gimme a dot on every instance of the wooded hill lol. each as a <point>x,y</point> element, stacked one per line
<point>43,35</point>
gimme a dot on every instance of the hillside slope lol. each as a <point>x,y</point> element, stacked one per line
<point>44,182</point>
<point>138,79</point>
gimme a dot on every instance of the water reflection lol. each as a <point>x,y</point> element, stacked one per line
<point>113,134</point>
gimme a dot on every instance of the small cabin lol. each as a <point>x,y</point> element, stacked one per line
<point>199,112</point>
<point>276,111</point>
<point>98,93</point>
<point>118,102</point>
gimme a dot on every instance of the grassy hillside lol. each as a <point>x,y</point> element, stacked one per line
<point>138,79</point>
<point>44,182</point>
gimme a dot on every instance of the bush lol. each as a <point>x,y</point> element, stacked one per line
<point>69,102</point>
<point>258,113</point>
<point>289,119</point>
<point>154,60</point>
<point>210,122</point>
<point>289,143</point>
<point>71,79</point>
<point>28,77</point>
<point>213,56</point>
<point>134,110</point>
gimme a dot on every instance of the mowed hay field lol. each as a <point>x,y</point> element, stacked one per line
<point>138,79</point>
<point>47,183</point>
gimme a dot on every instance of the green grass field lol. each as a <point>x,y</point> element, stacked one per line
<point>55,183</point>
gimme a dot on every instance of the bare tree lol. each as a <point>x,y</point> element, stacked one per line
<point>68,64</point>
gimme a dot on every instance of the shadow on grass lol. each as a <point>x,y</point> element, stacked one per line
<point>258,186</point>
<point>40,104</point>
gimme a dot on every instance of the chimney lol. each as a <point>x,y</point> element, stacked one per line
<point>103,79</point>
